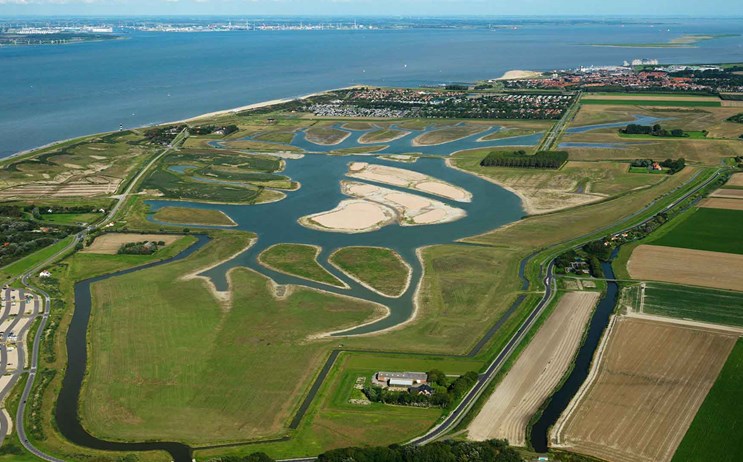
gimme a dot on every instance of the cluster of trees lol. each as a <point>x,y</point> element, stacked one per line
<point>140,248</point>
<point>671,165</point>
<point>457,87</point>
<point>593,264</point>
<point>163,135</point>
<point>737,118</point>
<point>520,159</point>
<point>444,394</point>
<point>20,237</point>
<point>209,129</point>
<point>439,451</point>
<point>654,130</point>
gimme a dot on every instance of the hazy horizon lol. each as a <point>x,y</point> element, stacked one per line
<point>372,8</point>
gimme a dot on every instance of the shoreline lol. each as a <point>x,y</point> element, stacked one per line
<point>234,110</point>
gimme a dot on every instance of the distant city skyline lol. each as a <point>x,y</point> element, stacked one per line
<point>362,8</point>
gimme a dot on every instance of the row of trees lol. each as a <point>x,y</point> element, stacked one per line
<point>444,394</point>
<point>655,130</point>
<point>520,159</point>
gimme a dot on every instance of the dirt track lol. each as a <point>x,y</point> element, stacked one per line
<point>687,266</point>
<point>650,382</point>
<point>536,373</point>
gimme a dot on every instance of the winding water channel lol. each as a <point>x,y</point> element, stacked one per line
<point>320,176</point>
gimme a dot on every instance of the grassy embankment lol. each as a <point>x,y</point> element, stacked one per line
<point>70,218</point>
<point>192,216</point>
<point>381,269</point>
<point>298,260</point>
<point>715,432</point>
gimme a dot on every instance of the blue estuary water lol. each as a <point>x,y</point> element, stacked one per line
<point>48,93</point>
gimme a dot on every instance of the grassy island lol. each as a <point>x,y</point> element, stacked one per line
<point>191,216</point>
<point>298,260</point>
<point>380,269</point>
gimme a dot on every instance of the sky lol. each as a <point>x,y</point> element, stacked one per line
<point>642,8</point>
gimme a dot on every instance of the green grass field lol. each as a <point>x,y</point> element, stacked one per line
<point>649,102</point>
<point>239,372</point>
<point>715,433</point>
<point>717,230</point>
<point>70,218</point>
<point>707,305</point>
<point>191,216</point>
<point>382,269</point>
<point>29,261</point>
<point>298,260</point>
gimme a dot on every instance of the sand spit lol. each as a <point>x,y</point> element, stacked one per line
<point>410,209</point>
<point>351,216</point>
<point>407,179</point>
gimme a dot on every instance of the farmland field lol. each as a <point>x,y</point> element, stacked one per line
<point>715,432</point>
<point>687,266</point>
<point>298,260</point>
<point>706,305</point>
<point>643,392</point>
<point>722,203</point>
<point>536,373</point>
<point>716,230</point>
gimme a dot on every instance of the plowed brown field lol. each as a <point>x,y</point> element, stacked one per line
<point>536,373</point>
<point>687,266</point>
<point>650,380</point>
<point>729,193</point>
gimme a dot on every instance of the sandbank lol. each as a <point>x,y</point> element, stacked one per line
<point>351,216</point>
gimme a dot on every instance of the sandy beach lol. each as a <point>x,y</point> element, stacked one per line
<point>519,74</point>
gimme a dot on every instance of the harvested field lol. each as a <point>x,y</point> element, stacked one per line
<point>728,193</point>
<point>40,190</point>
<point>736,180</point>
<point>110,243</point>
<point>687,266</point>
<point>722,203</point>
<point>407,179</point>
<point>643,391</point>
<point>536,373</point>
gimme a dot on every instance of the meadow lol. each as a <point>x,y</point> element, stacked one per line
<point>716,230</point>
<point>715,432</point>
<point>131,395</point>
<point>192,216</point>
<point>298,260</point>
<point>654,102</point>
<point>379,268</point>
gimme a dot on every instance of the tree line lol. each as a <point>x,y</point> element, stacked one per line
<point>655,130</point>
<point>520,159</point>
<point>439,451</point>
